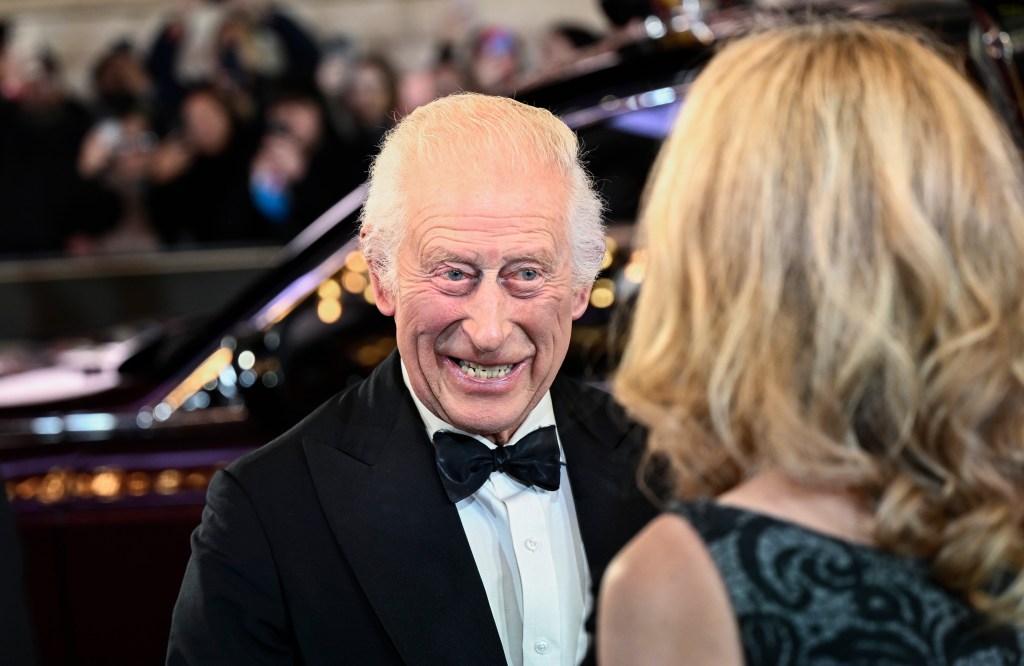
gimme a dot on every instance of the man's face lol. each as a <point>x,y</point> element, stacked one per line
<point>485,301</point>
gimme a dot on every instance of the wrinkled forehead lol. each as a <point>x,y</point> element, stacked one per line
<point>490,190</point>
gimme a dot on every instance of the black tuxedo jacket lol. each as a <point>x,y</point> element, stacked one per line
<point>336,543</point>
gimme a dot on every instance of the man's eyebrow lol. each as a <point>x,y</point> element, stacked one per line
<point>544,260</point>
<point>440,255</point>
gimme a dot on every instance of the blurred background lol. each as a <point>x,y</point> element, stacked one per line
<point>133,126</point>
<point>176,281</point>
<point>180,182</point>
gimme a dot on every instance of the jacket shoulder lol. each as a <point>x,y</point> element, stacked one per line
<point>356,420</point>
<point>596,410</point>
<point>281,454</point>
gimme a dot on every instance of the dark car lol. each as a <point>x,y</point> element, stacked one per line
<point>107,451</point>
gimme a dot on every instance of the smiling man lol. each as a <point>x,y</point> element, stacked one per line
<point>460,505</point>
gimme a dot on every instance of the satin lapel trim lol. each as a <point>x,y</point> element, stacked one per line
<point>405,542</point>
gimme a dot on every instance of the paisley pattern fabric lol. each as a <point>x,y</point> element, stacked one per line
<point>801,597</point>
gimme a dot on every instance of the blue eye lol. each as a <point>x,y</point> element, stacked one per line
<point>454,274</point>
<point>528,274</point>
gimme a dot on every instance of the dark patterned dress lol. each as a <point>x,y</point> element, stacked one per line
<point>801,597</point>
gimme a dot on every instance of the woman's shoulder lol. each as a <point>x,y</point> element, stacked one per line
<point>661,594</point>
<point>650,562</point>
<point>785,572</point>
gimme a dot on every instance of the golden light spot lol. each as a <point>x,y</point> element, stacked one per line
<point>329,310</point>
<point>26,489</point>
<point>385,345</point>
<point>366,355</point>
<point>374,352</point>
<point>137,483</point>
<point>354,261</point>
<point>167,482</point>
<point>354,283</point>
<point>602,298</point>
<point>196,480</point>
<point>107,483</point>
<point>586,336</point>
<point>634,271</point>
<point>329,290</point>
<point>611,245</point>
<point>603,294</point>
<point>607,260</point>
<point>83,485</point>
<point>56,486</point>
<point>368,295</point>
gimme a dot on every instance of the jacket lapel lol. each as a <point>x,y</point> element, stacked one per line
<point>376,479</point>
<point>601,451</point>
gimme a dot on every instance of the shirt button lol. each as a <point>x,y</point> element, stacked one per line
<point>531,544</point>
<point>542,646</point>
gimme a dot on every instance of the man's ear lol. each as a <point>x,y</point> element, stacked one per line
<point>580,300</point>
<point>383,298</point>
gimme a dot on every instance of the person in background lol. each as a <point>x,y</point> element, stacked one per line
<point>256,46</point>
<point>443,77</point>
<point>829,351</point>
<point>300,169</point>
<point>333,77</point>
<point>459,505</point>
<point>43,127</point>
<point>372,96</point>
<point>416,88</point>
<point>361,91</point>
<point>199,173</point>
<point>121,83</point>
<point>495,61</point>
<point>113,165</point>
<point>455,34</point>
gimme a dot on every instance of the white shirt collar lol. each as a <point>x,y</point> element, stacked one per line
<point>542,415</point>
<point>527,548</point>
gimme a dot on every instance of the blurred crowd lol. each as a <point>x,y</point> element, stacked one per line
<point>281,126</point>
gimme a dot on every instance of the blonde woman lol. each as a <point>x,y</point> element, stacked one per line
<point>829,350</point>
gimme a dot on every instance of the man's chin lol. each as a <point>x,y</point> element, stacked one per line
<point>491,425</point>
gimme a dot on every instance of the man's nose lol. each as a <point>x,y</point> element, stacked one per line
<point>487,321</point>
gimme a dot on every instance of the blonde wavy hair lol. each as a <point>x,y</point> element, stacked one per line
<point>835,288</point>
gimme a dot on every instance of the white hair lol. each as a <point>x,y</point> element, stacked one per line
<point>473,130</point>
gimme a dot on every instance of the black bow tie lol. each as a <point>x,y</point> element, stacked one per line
<point>465,462</point>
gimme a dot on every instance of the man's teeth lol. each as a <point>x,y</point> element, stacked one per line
<point>484,371</point>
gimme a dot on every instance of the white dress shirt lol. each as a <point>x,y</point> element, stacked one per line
<point>527,547</point>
